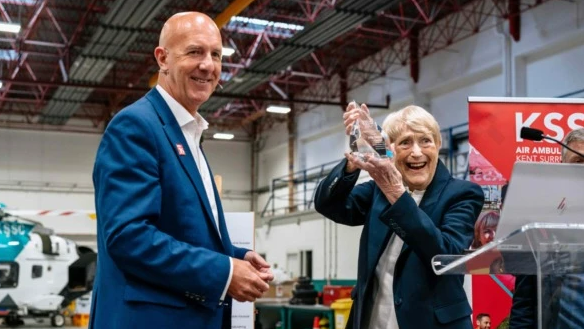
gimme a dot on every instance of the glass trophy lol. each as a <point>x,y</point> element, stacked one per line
<point>367,137</point>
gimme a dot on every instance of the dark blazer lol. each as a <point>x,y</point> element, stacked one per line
<point>524,308</point>
<point>442,224</point>
<point>563,302</point>
<point>161,262</point>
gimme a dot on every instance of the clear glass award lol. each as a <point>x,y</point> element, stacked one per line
<point>367,137</point>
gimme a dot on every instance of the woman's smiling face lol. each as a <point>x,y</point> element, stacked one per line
<point>416,157</point>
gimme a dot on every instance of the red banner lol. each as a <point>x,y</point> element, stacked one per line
<point>495,124</point>
<point>495,145</point>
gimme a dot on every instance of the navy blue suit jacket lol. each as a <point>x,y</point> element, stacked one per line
<point>563,302</point>
<point>161,261</point>
<point>442,224</point>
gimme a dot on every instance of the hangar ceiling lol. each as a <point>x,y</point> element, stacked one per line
<point>75,63</point>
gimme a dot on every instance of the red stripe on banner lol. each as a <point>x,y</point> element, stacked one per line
<point>488,297</point>
<point>44,212</point>
<point>66,213</point>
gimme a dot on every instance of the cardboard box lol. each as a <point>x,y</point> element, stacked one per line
<point>282,289</point>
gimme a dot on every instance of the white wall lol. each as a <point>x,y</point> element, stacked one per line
<point>451,108</point>
<point>33,163</point>
<point>334,246</point>
<point>38,170</point>
<point>232,161</point>
<point>546,62</point>
<point>47,156</point>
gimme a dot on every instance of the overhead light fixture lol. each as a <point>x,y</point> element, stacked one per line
<point>278,109</point>
<point>263,22</point>
<point>226,51</point>
<point>9,27</point>
<point>223,136</point>
<point>1,84</point>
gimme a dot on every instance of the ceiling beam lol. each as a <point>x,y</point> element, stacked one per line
<point>138,90</point>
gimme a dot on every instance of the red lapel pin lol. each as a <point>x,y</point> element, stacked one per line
<point>181,149</point>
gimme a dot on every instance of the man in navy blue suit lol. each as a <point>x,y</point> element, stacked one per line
<point>566,307</point>
<point>165,259</point>
<point>411,211</point>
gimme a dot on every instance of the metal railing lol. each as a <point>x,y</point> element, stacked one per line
<point>305,183</point>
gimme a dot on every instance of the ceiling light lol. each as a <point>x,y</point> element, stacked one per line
<point>0,84</point>
<point>226,51</point>
<point>8,55</point>
<point>263,22</point>
<point>9,27</point>
<point>226,76</point>
<point>223,136</point>
<point>278,109</point>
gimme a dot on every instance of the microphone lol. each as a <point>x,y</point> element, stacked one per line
<point>531,134</point>
<point>537,135</point>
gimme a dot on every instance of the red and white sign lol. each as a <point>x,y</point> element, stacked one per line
<point>495,125</point>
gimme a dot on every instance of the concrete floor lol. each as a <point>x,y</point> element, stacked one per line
<point>45,324</point>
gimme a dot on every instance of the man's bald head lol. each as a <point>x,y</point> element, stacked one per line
<point>189,57</point>
<point>184,22</point>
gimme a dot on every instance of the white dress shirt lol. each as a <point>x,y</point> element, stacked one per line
<point>192,128</point>
<point>383,315</point>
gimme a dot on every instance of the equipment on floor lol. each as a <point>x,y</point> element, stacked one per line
<point>304,293</point>
<point>40,272</point>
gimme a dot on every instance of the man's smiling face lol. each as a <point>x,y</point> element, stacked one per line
<point>192,58</point>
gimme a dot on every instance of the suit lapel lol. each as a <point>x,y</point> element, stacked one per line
<point>434,190</point>
<point>432,194</point>
<point>177,139</point>
<point>379,234</point>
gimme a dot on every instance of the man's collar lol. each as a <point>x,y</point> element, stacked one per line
<point>181,114</point>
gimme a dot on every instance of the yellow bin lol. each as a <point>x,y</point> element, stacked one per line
<point>342,309</point>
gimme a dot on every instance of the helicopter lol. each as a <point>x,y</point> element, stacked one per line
<point>40,273</point>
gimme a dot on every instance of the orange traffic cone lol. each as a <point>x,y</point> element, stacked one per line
<point>316,323</point>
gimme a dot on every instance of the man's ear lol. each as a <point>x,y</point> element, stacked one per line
<point>161,56</point>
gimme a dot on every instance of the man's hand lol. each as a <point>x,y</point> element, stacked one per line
<point>247,283</point>
<point>260,264</point>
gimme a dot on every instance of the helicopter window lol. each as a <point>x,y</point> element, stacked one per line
<point>37,271</point>
<point>8,274</point>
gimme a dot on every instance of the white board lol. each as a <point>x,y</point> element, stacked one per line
<point>240,226</point>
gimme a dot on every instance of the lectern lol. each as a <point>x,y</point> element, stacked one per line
<point>540,233</point>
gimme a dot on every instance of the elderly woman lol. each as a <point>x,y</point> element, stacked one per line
<point>411,211</point>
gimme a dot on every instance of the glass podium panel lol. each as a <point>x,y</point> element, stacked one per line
<point>550,255</point>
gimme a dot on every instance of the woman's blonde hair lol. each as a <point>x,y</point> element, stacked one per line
<point>415,118</point>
